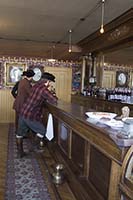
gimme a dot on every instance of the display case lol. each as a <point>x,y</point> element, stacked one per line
<point>126,184</point>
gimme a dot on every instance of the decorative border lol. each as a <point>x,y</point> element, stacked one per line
<point>41,63</point>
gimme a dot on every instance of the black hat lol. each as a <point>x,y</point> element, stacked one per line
<point>24,73</point>
<point>48,76</point>
<point>29,73</point>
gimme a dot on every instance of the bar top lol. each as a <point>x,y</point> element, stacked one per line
<point>77,112</point>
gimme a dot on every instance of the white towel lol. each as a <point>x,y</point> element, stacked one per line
<point>49,129</point>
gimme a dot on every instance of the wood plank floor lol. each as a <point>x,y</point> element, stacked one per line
<point>3,157</point>
<point>47,165</point>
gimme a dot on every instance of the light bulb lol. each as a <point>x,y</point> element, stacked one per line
<point>101,29</point>
<point>70,50</point>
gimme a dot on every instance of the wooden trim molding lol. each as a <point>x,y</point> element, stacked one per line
<point>118,32</point>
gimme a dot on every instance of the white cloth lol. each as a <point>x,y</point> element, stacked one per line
<point>49,129</point>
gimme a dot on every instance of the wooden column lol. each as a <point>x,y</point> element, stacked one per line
<point>83,73</point>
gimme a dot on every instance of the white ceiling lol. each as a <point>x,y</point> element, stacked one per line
<point>34,24</point>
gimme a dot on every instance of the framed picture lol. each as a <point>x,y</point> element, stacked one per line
<point>38,69</point>
<point>14,71</point>
<point>38,74</point>
<point>121,79</point>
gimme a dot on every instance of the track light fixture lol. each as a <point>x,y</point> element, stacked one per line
<point>102,18</point>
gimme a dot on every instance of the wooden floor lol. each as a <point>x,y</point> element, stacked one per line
<point>47,164</point>
<point>3,157</point>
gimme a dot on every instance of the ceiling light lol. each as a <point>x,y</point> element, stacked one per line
<point>52,52</point>
<point>70,41</point>
<point>51,60</point>
<point>102,28</point>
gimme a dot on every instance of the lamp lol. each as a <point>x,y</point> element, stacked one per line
<point>102,29</point>
<point>70,41</point>
<point>52,52</point>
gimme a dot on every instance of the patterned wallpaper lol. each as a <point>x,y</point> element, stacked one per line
<point>2,74</point>
<point>29,63</point>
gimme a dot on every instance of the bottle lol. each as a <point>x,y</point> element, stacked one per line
<point>84,92</point>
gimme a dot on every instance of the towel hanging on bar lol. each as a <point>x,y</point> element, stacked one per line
<point>50,129</point>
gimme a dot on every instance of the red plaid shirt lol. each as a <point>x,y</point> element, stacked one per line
<point>32,108</point>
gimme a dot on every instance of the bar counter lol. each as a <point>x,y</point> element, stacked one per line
<point>92,153</point>
<point>101,104</point>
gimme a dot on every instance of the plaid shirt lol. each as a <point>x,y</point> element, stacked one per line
<point>32,108</point>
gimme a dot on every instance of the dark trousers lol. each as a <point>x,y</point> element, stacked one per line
<point>16,120</point>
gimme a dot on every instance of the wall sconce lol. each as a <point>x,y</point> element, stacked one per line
<point>70,41</point>
<point>102,29</point>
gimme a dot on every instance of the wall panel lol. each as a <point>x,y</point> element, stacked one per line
<point>108,80</point>
<point>63,83</point>
<point>7,114</point>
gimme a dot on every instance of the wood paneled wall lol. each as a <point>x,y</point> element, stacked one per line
<point>7,114</point>
<point>109,79</point>
<point>63,83</point>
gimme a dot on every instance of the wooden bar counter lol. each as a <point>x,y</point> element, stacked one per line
<point>100,104</point>
<point>91,153</point>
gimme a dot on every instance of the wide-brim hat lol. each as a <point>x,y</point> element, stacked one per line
<point>48,76</point>
<point>29,73</point>
<point>24,73</point>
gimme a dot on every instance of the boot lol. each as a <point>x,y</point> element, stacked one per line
<point>41,141</point>
<point>19,142</point>
<point>37,144</point>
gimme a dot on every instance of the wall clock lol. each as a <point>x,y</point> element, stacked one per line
<point>38,74</point>
<point>121,79</point>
